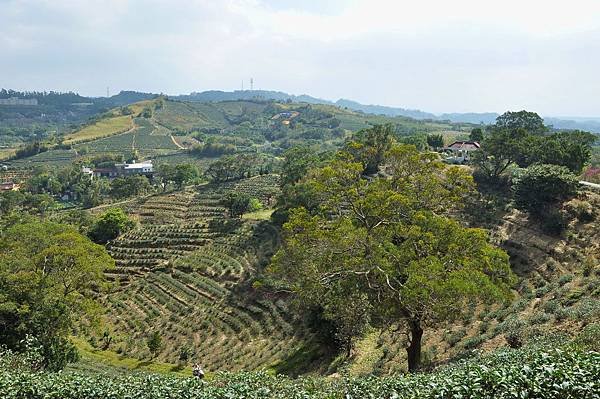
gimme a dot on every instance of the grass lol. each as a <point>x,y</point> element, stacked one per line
<point>6,153</point>
<point>102,128</point>
<point>114,360</point>
<point>263,214</point>
<point>367,353</point>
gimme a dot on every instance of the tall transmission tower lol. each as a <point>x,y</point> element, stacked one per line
<point>107,92</point>
<point>242,85</point>
<point>251,83</point>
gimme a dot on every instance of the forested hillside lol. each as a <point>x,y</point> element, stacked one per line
<point>299,239</point>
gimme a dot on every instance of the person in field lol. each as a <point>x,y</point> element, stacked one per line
<point>197,371</point>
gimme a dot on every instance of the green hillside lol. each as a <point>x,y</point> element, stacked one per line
<point>287,267</point>
<point>165,130</point>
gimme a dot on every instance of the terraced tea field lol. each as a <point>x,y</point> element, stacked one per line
<point>187,272</point>
<point>149,140</point>
<point>50,158</point>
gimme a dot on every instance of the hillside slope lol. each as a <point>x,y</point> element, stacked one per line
<point>187,272</point>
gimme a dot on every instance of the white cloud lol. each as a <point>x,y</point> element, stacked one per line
<point>439,56</point>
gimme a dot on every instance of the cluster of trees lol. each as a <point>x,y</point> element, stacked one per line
<point>110,225</point>
<point>381,250</point>
<point>38,204</point>
<point>522,139</point>
<point>30,149</point>
<point>50,276</point>
<point>549,163</point>
<point>212,149</point>
<point>179,175</point>
<point>129,186</point>
<point>46,185</point>
<point>71,181</point>
<point>238,166</point>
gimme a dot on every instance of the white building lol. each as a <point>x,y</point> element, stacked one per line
<point>18,101</point>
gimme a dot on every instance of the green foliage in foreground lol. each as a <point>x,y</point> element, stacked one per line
<point>523,373</point>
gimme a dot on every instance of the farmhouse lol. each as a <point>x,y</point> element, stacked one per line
<point>135,168</point>
<point>460,151</point>
<point>121,169</point>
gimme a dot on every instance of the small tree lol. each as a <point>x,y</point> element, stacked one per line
<point>154,343</point>
<point>476,135</point>
<point>350,313</point>
<point>185,173</point>
<point>237,204</point>
<point>185,353</point>
<point>435,141</point>
<point>110,225</point>
<point>542,186</point>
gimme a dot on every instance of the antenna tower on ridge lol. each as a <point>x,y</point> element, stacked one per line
<point>251,83</point>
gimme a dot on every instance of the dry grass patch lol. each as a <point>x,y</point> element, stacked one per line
<point>102,128</point>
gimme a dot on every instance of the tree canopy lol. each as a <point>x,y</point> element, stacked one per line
<point>521,139</point>
<point>385,247</point>
<point>110,225</point>
<point>49,275</point>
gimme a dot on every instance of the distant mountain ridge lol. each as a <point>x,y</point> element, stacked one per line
<point>591,124</point>
<point>486,118</point>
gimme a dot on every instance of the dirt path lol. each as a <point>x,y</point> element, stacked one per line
<point>176,143</point>
<point>170,135</point>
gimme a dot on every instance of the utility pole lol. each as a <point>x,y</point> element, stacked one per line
<point>242,85</point>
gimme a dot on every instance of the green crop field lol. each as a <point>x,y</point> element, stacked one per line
<point>508,374</point>
<point>187,272</point>
<point>150,140</point>
<point>49,158</point>
<point>145,138</point>
<point>188,116</point>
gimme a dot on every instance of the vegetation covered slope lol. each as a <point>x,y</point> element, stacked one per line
<point>187,273</point>
<point>165,130</point>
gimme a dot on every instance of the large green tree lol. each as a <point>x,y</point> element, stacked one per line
<point>49,276</point>
<point>387,239</point>
<point>515,120</point>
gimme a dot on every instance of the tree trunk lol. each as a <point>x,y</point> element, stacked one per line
<point>349,349</point>
<point>414,348</point>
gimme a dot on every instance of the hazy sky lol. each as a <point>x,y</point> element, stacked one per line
<point>438,56</point>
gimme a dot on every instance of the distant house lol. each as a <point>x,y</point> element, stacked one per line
<point>9,186</point>
<point>460,152</point>
<point>110,173</point>
<point>136,168</point>
<point>121,169</point>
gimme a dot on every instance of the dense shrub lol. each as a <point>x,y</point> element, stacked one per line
<point>540,186</point>
<point>505,374</point>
